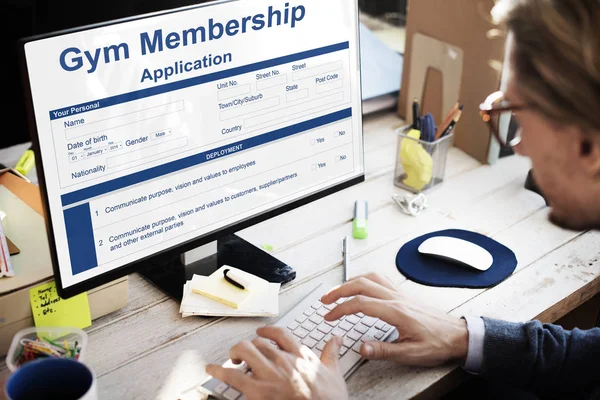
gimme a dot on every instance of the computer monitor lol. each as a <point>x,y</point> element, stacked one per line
<point>160,133</point>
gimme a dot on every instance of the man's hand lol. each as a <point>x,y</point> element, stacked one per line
<point>288,372</point>
<point>427,337</point>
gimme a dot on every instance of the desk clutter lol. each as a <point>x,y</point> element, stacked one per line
<point>423,148</point>
<point>230,292</point>
<point>32,344</point>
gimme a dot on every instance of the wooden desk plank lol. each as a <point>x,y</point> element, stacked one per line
<point>338,208</point>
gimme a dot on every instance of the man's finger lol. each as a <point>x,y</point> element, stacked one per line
<point>233,377</point>
<point>282,337</point>
<point>276,356</point>
<point>257,362</point>
<point>330,356</point>
<point>382,351</point>
<point>382,309</point>
<point>359,286</point>
<point>377,278</point>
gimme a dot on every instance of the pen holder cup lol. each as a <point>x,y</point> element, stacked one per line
<point>420,165</point>
<point>33,343</point>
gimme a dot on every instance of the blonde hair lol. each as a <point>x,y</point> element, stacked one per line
<point>556,57</point>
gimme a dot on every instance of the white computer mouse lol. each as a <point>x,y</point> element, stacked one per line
<point>457,250</point>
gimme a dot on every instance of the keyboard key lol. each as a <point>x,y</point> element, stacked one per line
<point>361,328</point>
<point>301,332</point>
<point>309,342</point>
<point>324,328</point>
<point>357,347</point>
<point>348,342</point>
<point>322,311</point>
<point>231,394</point>
<point>333,323</point>
<point>317,305</point>
<point>360,315</point>
<point>315,319</point>
<point>370,335</point>
<point>386,327</point>
<point>343,350</point>
<point>379,335</point>
<point>301,318</point>
<point>338,332</point>
<point>327,337</point>
<point>309,312</point>
<point>318,335</point>
<point>321,345</point>
<point>309,326</point>
<point>340,300</point>
<point>292,326</point>
<point>379,324</point>
<point>353,319</point>
<point>369,321</point>
<point>330,306</point>
<point>345,326</point>
<point>354,335</point>
<point>317,352</point>
<point>221,387</point>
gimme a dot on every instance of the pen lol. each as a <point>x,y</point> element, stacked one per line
<point>415,114</point>
<point>234,278</point>
<point>346,254</point>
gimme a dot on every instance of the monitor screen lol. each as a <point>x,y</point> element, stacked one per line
<point>157,131</point>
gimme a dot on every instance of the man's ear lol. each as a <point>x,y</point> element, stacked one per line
<point>590,154</point>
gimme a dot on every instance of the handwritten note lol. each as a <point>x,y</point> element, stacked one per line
<point>51,310</point>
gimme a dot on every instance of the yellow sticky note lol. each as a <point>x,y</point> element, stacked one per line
<point>51,310</point>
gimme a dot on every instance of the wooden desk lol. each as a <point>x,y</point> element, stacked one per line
<point>148,351</point>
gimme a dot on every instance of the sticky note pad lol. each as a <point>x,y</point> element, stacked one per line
<point>215,287</point>
<point>51,310</point>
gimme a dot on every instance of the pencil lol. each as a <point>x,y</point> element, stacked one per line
<point>446,121</point>
<point>452,124</point>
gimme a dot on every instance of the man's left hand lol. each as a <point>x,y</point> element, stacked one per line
<point>290,371</point>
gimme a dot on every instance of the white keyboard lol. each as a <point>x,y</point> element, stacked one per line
<point>305,322</point>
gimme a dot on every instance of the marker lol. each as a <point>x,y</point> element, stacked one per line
<point>26,162</point>
<point>359,226</point>
<point>235,279</point>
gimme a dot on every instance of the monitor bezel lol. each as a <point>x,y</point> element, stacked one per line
<point>174,251</point>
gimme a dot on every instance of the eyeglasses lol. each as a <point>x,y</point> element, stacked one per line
<point>496,111</point>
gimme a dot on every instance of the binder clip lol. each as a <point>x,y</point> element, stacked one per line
<point>411,205</point>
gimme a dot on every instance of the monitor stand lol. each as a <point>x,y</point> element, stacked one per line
<point>170,275</point>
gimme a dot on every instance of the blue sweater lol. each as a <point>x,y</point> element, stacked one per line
<point>544,359</point>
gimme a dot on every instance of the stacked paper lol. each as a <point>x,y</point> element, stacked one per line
<point>262,299</point>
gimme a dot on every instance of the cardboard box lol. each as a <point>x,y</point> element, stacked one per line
<point>24,224</point>
<point>464,24</point>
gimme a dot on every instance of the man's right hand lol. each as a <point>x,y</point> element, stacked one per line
<point>428,337</point>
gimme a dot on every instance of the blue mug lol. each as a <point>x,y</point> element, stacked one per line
<point>52,378</point>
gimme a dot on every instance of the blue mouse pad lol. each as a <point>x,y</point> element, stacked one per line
<point>431,271</point>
